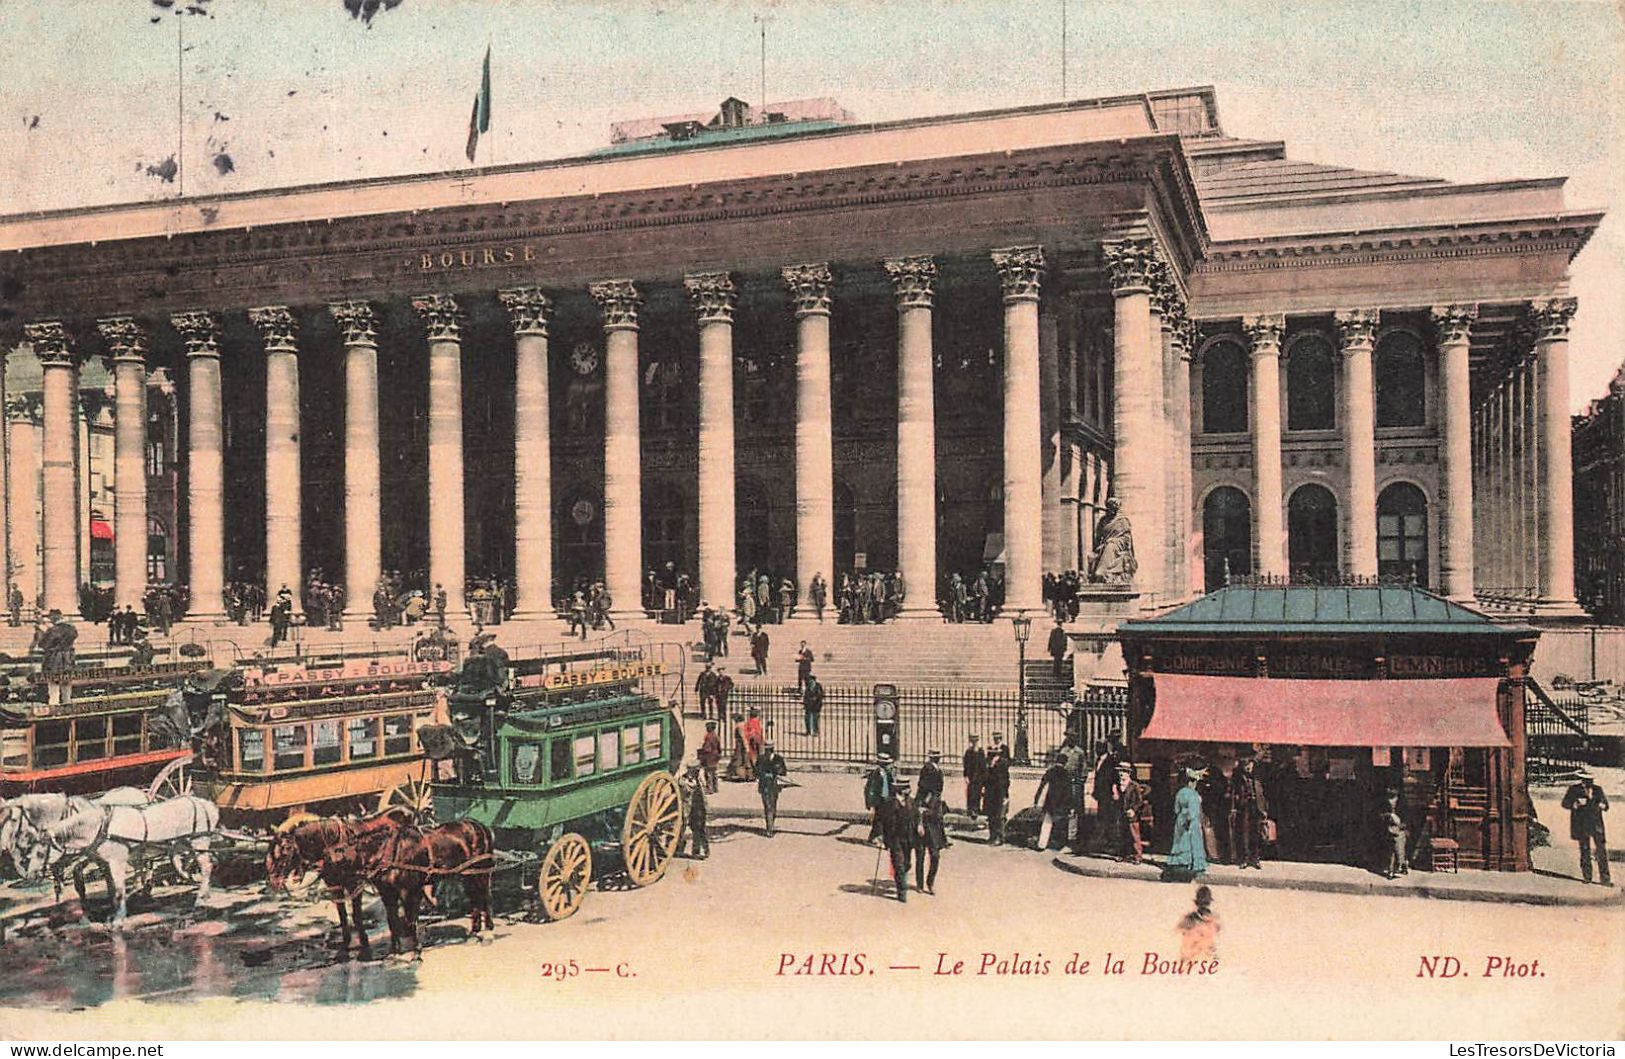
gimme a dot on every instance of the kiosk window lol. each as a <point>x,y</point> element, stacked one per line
<point>325,748</point>
<point>363,737</point>
<point>398,734</point>
<point>559,760</point>
<point>585,755</point>
<point>527,762</point>
<point>251,749</point>
<point>288,744</point>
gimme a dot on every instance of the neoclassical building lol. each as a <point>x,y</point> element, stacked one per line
<point>781,338</point>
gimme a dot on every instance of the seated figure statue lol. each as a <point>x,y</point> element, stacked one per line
<point>1112,561</point>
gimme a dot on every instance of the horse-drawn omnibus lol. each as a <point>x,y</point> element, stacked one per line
<point>106,733</point>
<point>569,762</point>
<point>342,739</point>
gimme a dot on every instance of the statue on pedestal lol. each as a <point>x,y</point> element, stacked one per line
<point>1113,560</point>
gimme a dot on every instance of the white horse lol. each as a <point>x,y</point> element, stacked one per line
<point>110,834</point>
<point>25,817</point>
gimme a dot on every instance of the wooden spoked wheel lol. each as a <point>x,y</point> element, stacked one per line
<point>174,781</point>
<point>414,795</point>
<point>566,875</point>
<point>652,829</point>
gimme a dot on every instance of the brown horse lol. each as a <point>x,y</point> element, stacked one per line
<point>306,845</point>
<point>402,862</point>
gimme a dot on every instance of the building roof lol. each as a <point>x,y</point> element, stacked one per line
<point>1228,169</point>
<point>1320,610</point>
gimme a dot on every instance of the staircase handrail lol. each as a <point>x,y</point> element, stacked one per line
<point>1557,711</point>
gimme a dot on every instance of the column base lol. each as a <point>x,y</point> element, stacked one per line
<point>1560,609</point>
<point>919,613</point>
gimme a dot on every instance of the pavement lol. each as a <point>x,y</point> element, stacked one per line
<point>834,792</point>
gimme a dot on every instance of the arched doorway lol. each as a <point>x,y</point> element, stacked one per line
<point>665,528</point>
<point>1402,534</point>
<point>1312,535</point>
<point>1227,536</point>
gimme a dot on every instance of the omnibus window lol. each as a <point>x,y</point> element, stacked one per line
<point>609,750</point>
<point>251,749</point>
<point>14,748</point>
<point>363,733</point>
<point>288,746</point>
<point>631,746</point>
<point>585,755</point>
<point>527,762</point>
<point>127,733</point>
<point>398,734</point>
<point>651,741</point>
<point>325,745</point>
<point>559,760</point>
<point>51,744</point>
<point>90,734</point>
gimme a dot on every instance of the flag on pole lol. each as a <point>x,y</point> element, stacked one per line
<point>480,119</point>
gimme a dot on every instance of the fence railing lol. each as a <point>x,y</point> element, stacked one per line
<point>928,719</point>
<point>1557,726</point>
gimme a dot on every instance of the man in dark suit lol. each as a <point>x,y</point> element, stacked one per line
<point>996,788</point>
<point>1586,803</point>
<point>931,835</point>
<point>1248,810</point>
<point>899,821</point>
<point>975,767</point>
<point>930,777</point>
<point>1057,647</point>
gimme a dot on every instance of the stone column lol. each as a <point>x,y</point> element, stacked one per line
<point>1454,323</point>
<point>1356,330</point>
<point>618,301</point>
<point>1021,269</point>
<point>1187,564</point>
<point>809,287</point>
<point>59,492</point>
<point>23,500</point>
<point>443,323</point>
<point>205,467</point>
<point>1264,333</point>
<point>913,282</point>
<point>530,311</point>
<point>284,555</point>
<point>128,344</point>
<point>1136,402</point>
<point>714,297</point>
<point>363,528</point>
<point>1056,554</point>
<point>1556,515</point>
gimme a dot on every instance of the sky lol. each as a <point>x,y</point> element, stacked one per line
<point>98,95</point>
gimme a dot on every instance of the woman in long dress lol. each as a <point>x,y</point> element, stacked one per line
<point>1187,855</point>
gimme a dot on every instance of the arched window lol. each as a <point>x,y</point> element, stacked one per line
<point>1224,389</point>
<point>1311,384</point>
<point>1227,536</point>
<point>1401,378</point>
<point>1312,535</point>
<point>1402,534</point>
<point>157,551</point>
<point>665,528</point>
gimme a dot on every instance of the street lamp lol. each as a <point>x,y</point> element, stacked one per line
<point>1023,627</point>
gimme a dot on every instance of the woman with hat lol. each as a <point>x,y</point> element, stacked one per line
<point>1187,853</point>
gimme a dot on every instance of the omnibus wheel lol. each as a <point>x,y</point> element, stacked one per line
<point>565,876</point>
<point>652,828</point>
<point>175,781</point>
<point>414,795</point>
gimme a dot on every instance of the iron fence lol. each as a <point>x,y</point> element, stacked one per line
<point>1558,728</point>
<point>928,719</point>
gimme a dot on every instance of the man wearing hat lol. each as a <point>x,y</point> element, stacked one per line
<point>899,823</point>
<point>1134,808</point>
<point>1055,795</point>
<point>770,770</point>
<point>705,689</point>
<point>931,836</point>
<point>877,791</point>
<point>974,767</point>
<point>1248,809</point>
<point>693,788</point>
<point>710,755</point>
<point>930,777</point>
<point>996,788</point>
<point>1586,803</point>
<point>57,657</point>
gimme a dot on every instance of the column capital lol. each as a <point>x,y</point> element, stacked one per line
<point>358,322</point>
<point>1021,271</point>
<point>278,327</point>
<point>1264,332</point>
<point>1129,264</point>
<point>618,301</point>
<point>1552,317</point>
<point>1166,301</point>
<point>126,338</point>
<point>809,287</point>
<point>913,280</point>
<point>442,316</point>
<point>1454,322</point>
<point>25,408</point>
<point>200,332</point>
<point>1356,328</point>
<point>529,309</point>
<point>713,295</point>
<point>52,344</point>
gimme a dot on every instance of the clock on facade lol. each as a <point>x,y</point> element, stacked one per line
<point>584,358</point>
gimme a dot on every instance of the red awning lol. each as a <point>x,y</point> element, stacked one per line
<point>100,530</point>
<point>1456,712</point>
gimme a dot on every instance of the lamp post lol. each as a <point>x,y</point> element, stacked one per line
<point>1023,627</point>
